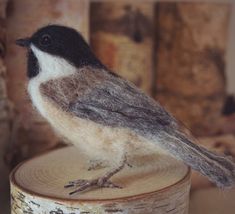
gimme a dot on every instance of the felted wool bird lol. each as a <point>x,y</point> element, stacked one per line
<point>103,114</point>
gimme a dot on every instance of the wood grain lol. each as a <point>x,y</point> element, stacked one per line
<point>155,184</point>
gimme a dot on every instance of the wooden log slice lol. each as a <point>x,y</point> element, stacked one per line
<point>154,184</point>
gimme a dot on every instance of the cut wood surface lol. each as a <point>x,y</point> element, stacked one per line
<point>190,55</point>
<point>155,184</point>
<point>32,134</point>
<point>122,37</point>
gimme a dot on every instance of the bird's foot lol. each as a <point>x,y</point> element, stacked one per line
<point>85,185</point>
<point>102,182</point>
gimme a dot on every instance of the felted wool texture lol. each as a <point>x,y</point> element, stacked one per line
<point>103,114</point>
<point>110,102</point>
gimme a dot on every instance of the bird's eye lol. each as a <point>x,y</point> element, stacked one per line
<point>45,40</point>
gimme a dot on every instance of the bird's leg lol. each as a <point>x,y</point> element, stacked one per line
<point>101,182</point>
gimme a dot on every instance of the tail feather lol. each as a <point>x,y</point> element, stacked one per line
<point>219,169</point>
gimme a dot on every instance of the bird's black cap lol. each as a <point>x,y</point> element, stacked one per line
<point>64,42</point>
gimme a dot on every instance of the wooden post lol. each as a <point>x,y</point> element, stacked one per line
<point>32,133</point>
<point>4,113</point>
<point>190,68</point>
<point>121,36</point>
<point>159,188</point>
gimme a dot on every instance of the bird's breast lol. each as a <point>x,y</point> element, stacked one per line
<point>93,138</point>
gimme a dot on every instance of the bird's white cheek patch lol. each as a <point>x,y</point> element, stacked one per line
<point>52,67</point>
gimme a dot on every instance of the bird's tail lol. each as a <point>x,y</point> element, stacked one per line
<point>219,169</point>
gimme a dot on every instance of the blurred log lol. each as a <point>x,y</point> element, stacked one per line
<point>190,55</point>
<point>32,134</point>
<point>212,201</point>
<point>199,114</point>
<point>225,125</point>
<point>4,113</point>
<point>121,36</point>
<point>37,186</point>
<point>229,105</point>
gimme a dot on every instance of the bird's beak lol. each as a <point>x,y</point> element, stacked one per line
<point>23,42</point>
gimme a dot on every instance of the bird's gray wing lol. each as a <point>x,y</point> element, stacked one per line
<point>116,102</point>
<point>107,99</point>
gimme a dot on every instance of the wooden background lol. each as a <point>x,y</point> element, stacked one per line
<point>176,52</point>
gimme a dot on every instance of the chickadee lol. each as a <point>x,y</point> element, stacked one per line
<point>102,113</point>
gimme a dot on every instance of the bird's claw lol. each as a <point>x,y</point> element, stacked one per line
<point>75,183</point>
<point>88,184</point>
<point>102,182</point>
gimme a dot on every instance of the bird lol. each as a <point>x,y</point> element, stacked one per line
<point>102,113</point>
